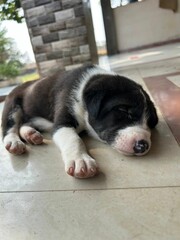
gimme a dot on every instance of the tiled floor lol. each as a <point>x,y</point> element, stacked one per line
<point>132,198</point>
<point>165,90</point>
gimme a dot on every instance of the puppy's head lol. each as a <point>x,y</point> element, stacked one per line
<point>121,113</point>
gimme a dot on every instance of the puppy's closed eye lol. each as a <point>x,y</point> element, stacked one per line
<point>124,110</point>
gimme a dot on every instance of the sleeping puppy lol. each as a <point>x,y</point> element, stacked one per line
<point>111,108</point>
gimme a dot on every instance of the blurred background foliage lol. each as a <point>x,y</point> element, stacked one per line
<point>10,63</point>
<point>10,10</point>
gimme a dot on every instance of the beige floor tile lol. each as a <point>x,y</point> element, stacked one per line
<point>142,214</point>
<point>175,80</point>
<point>141,57</point>
<point>160,68</point>
<point>151,69</point>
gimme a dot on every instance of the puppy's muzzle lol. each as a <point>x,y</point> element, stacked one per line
<point>133,141</point>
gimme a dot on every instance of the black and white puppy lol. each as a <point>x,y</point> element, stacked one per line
<point>111,108</point>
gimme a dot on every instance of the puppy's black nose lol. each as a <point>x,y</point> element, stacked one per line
<point>141,146</point>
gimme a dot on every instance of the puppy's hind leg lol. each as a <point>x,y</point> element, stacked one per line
<point>29,132</point>
<point>30,135</point>
<point>11,119</point>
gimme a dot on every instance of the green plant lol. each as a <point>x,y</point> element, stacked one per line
<point>10,63</point>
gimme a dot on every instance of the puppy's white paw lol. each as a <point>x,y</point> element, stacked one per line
<point>83,167</point>
<point>30,135</point>
<point>14,145</point>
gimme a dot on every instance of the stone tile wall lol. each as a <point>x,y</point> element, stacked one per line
<point>58,32</point>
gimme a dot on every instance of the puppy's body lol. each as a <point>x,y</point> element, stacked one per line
<point>112,108</point>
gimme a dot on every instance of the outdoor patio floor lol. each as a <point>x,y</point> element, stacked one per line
<point>132,198</point>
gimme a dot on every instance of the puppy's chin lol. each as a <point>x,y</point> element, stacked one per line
<point>131,154</point>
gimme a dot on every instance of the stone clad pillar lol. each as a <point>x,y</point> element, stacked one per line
<point>59,34</point>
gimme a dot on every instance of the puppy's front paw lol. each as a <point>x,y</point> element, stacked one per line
<point>84,167</point>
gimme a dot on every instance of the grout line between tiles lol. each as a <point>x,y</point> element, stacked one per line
<point>81,190</point>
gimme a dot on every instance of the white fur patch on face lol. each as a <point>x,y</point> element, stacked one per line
<point>127,139</point>
<point>77,95</point>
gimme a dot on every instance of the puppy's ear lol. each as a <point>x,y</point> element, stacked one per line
<point>93,100</point>
<point>152,118</point>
